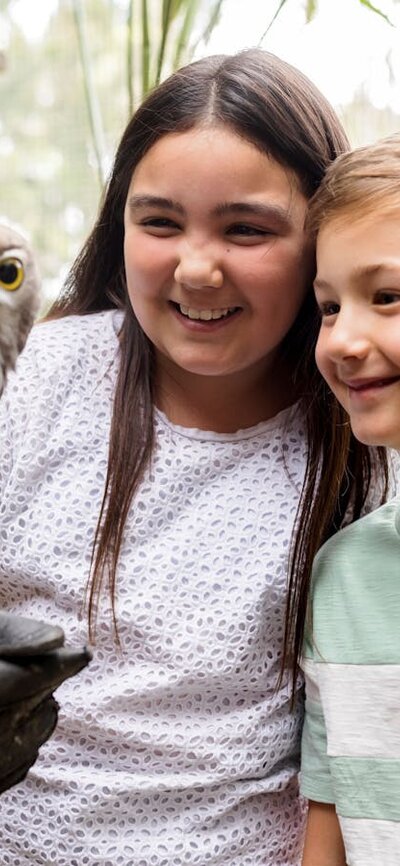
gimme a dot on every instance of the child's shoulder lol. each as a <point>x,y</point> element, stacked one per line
<point>71,340</point>
<point>69,333</point>
<point>368,539</point>
<point>61,353</point>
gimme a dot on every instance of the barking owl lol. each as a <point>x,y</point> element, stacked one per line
<point>19,296</point>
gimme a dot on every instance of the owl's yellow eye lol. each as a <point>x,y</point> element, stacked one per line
<point>11,274</point>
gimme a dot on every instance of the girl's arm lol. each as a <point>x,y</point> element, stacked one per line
<point>323,843</point>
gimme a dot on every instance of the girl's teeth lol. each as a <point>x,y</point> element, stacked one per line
<point>204,315</point>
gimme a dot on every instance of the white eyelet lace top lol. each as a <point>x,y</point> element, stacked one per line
<point>178,750</point>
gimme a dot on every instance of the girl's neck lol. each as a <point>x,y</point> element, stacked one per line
<point>224,404</point>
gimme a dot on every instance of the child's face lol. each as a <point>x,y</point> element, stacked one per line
<point>358,350</point>
<point>217,263</point>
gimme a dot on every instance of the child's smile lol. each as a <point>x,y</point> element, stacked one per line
<point>216,256</point>
<point>205,316</point>
<point>358,350</point>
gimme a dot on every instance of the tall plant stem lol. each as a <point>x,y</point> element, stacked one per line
<point>95,122</point>
<point>145,49</point>
<point>166,20</point>
<point>130,58</point>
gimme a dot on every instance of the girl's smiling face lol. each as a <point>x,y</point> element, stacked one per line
<point>216,256</point>
<point>358,350</point>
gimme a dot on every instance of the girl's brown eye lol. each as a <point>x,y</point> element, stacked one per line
<point>11,274</point>
<point>384,298</point>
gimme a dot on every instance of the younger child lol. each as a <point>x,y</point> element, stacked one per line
<point>351,739</point>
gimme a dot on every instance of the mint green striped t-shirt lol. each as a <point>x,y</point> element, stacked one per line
<point>351,736</point>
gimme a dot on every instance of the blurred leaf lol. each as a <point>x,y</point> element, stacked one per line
<point>212,21</point>
<point>145,49</point>
<point>130,58</point>
<point>170,10</point>
<point>95,119</point>
<point>182,43</point>
<point>311,9</point>
<point>274,17</point>
<point>390,68</point>
<point>375,9</point>
<point>167,9</point>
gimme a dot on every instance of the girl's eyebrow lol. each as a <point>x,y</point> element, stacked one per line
<point>359,273</point>
<point>320,284</point>
<point>256,208</point>
<point>135,202</point>
<point>266,211</point>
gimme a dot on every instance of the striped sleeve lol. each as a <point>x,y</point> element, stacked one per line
<point>315,778</point>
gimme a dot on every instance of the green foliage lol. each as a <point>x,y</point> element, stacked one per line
<point>162,35</point>
<point>48,164</point>
<point>375,9</point>
<point>160,38</point>
<point>65,99</point>
<point>311,9</point>
<point>94,114</point>
<point>279,8</point>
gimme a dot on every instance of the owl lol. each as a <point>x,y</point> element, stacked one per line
<point>19,296</point>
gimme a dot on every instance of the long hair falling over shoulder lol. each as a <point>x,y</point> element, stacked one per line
<point>363,181</point>
<point>274,106</point>
<point>340,474</point>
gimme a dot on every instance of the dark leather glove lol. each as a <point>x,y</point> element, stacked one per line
<point>33,662</point>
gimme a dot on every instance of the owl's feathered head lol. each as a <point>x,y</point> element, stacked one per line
<point>19,296</point>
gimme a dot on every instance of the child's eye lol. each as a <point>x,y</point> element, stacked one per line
<point>160,225</point>
<point>329,308</point>
<point>384,298</point>
<point>243,230</point>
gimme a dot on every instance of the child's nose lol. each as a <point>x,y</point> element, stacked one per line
<point>199,269</point>
<point>348,338</point>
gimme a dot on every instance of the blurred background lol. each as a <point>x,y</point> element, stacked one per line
<point>72,71</point>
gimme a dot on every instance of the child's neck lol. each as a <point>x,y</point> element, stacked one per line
<point>223,404</point>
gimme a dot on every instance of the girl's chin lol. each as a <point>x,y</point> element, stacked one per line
<point>375,438</point>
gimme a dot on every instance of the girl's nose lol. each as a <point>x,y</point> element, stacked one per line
<point>348,338</point>
<point>199,269</point>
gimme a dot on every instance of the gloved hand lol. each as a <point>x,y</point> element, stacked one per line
<point>33,662</point>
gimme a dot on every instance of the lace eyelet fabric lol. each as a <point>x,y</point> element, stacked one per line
<point>176,749</point>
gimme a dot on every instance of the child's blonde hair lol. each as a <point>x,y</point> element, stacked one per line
<point>358,183</point>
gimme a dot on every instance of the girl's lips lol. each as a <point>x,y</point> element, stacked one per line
<point>357,386</point>
<point>203,322</point>
<point>205,315</point>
